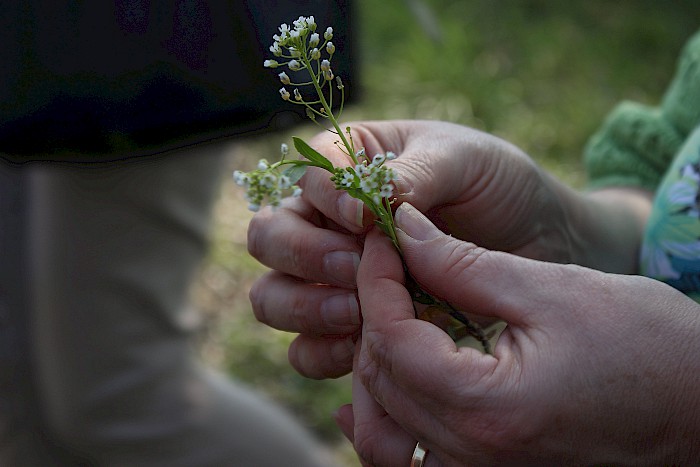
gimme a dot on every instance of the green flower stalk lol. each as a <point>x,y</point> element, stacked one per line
<point>302,52</point>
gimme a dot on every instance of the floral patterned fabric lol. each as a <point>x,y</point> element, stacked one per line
<point>671,245</point>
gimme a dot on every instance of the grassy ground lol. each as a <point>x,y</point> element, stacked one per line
<point>541,74</point>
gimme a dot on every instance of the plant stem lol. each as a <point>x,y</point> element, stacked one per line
<point>327,108</point>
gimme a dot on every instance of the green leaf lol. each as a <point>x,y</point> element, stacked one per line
<point>295,172</point>
<point>311,154</point>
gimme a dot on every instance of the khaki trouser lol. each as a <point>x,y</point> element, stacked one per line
<point>95,265</point>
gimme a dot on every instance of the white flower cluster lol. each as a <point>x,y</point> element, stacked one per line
<point>372,179</point>
<point>266,182</point>
<point>300,48</point>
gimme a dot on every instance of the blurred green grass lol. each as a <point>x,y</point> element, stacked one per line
<point>542,74</point>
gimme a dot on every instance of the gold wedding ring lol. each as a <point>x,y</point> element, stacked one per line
<point>418,456</point>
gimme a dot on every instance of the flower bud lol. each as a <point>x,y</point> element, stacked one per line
<point>378,159</point>
<point>297,94</point>
<point>285,94</point>
<point>284,78</point>
<point>284,182</point>
<point>330,48</point>
<point>315,54</point>
<point>271,64</point>
<point>294,65</point>
<point>328,35</point>
<point>313,40</point>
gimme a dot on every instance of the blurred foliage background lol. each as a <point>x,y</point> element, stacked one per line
<point>539,73</point>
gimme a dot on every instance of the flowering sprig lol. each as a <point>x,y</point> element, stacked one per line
<point>268,182</point>
<point>304,52</point>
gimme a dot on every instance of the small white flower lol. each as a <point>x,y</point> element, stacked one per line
<point>284,182</point>
<point>328,35</point>
<point>285,94</point>
<point>325,65</point>
<point>284,149</point>
<point>330,48</point>
<point>294,65</point>
<point>275,49</point>
<point>275,197</point>
<point>294,34</point>
<point>297,192</point>
<point>284,29</point>
<point>378,160</point>
<point>386,191</point>
<point>297,94</point>
<point>284,78</point>
<point>391,156</point>
<point>301,23</point>
<point>314,40</point>
<point>263,164</point>
<point>241,178</point>
<point>360,154</point>
<point>315,54</point>
<point>311,23</point>
<point>389,175</point>
<point>294,52</point>
<point>369,184</point>
<point>271,64</point>
<point>268,181</point>
<point>348,179</point>
<point>361,169</point>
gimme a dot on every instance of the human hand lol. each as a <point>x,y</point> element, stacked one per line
<point>588,371</point>
<point>475,186</point>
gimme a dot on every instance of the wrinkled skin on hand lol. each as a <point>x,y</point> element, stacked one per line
<point>594,368</point>
<point>474,186</point>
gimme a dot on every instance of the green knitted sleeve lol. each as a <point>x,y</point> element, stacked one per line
<point>637,143</point>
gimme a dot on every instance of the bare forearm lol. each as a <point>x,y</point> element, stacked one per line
<point>606,227</point>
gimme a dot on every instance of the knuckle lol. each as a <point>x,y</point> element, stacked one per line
<point>301,313</point>
<point>462,259</point>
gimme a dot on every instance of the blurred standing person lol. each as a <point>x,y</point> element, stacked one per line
<point>115,118</point>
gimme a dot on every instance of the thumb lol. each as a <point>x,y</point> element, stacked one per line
<point>474,279</point>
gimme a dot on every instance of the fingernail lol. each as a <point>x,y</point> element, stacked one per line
<point>341,266</point>
<point>341,311</point>
<point>414,223</point>
<point>350,209</point>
